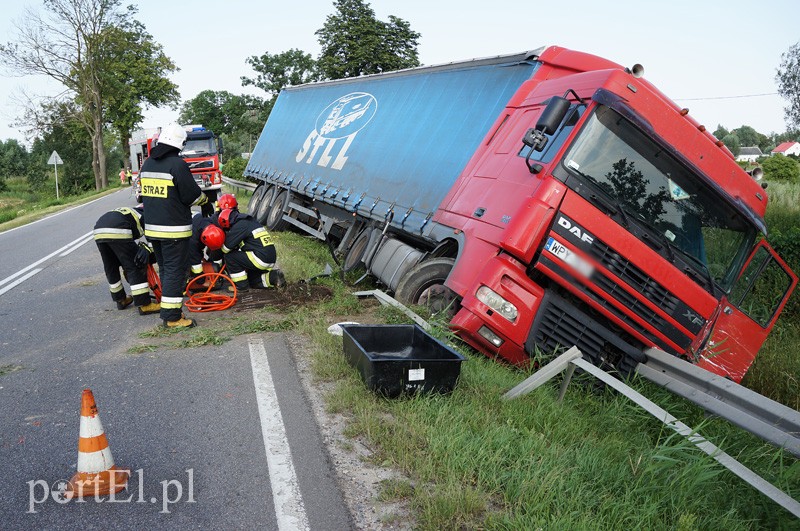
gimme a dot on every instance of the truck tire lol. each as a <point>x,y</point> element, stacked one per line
<point>277,208</point>
<point>355,254</point>
<point>423,285</point>
<point>262,209</point>
<point>258,194</point>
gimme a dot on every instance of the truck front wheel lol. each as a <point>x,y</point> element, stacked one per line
<point>423,284</point>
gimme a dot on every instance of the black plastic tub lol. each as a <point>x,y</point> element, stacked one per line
<point>397,359</point>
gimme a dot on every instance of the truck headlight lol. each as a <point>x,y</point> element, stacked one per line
<point>497,303</point>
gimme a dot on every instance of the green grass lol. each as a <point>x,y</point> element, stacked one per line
<point>20,205</point>
<point>470,460</point>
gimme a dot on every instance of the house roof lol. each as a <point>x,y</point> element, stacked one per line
<point>755,150</point>
<point>783,147</point>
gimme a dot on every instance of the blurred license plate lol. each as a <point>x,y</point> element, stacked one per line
<point>565,255</point>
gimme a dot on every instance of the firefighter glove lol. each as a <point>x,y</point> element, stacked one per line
<point>142,257</point>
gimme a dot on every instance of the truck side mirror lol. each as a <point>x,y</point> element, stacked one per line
<point>220,148</point>
<point>552,115</point>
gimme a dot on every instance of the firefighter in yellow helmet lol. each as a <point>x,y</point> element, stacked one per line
<point>168,192</point>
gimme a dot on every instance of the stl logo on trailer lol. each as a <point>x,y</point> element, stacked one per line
<point>341,120</point>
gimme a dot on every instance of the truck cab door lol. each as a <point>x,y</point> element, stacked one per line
<point>748,313</point>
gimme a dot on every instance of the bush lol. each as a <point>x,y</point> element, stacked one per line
<point>780,168</point>
<point>234,168</point>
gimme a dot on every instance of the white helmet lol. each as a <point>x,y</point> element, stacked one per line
<point>173,135</point>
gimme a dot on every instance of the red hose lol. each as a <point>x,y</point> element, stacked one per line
<point>206,301</point>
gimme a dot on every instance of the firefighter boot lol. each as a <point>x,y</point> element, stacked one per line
<point>124,303</point>
<point>147,309</point>
<point>183,322</point>
<point>276,279</point>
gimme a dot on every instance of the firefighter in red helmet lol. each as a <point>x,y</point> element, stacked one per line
<point>250,255</point>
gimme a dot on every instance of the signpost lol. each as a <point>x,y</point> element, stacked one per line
<point>55,160</point>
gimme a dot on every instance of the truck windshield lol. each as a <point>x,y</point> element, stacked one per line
<point>199,146</point>
<point>649,185</point>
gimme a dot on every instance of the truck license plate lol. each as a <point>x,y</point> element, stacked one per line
<point>565,255</point>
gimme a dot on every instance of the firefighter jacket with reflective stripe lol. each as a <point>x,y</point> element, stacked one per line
<point>119,224</point>
<point>168,193</point>
<point>247,234</point>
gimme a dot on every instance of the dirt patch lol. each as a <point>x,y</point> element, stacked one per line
<point>291,296</point>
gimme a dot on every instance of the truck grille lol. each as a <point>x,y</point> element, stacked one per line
<point>559,325</point>
<point>620,266</point>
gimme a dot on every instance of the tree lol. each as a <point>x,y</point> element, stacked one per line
<point>135,75</point>
<point>732,142</point>
<point>355,43</point>
<point>781,168</point>
<point>83,45</point>
<point>221,111</point>
<point>788,79</point>
<point>285,69</point>
<point>721,132</point>
<point>64,133</point>
<point>13,159</point>
<point>749,137</point>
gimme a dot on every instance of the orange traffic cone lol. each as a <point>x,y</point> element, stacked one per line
<point>97,474</point>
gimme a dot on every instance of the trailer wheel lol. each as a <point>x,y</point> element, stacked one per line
<point>355,254</point>
<point>262,209</point>
<point>277,208</point>
<point>423,284</point>
<point>255,199</point>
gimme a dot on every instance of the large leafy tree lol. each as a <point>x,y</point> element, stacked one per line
<point>83,45</point>
<point>222,112</point>
<point>355,43</point>
<point>788,79</point>
<point>276,71</point>
<point>135,77</point>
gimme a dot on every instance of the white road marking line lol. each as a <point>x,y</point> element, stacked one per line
<point>289,509</point>
<point>78,245</point>
<point>19,281</point>
<point>24,270</point>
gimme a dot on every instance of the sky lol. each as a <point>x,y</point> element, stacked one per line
<point>718,58</point>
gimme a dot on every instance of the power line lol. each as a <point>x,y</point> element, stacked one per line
<point>728,97</point>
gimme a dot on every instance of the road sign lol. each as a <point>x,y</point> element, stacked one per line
<point>54,158</point>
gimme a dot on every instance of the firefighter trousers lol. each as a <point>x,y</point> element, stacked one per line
<point>173,259</point>
<point>247,269</point>
<point>118,254</point>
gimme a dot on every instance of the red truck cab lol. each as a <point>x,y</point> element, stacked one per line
<point>621,225</point>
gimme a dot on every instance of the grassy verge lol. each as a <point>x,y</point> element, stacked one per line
<point>19,205</point>
<point>593,461</point>
<point>474,461</point>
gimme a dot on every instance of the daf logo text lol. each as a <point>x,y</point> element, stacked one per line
<point>574,229</point>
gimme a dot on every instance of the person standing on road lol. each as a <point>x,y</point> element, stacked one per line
<point>115,234</point>
<point>168,192</point>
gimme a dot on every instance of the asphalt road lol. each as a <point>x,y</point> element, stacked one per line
<point>218,437</point>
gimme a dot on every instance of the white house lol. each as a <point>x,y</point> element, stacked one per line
<point>787,148</point>
<point>749,154</point>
